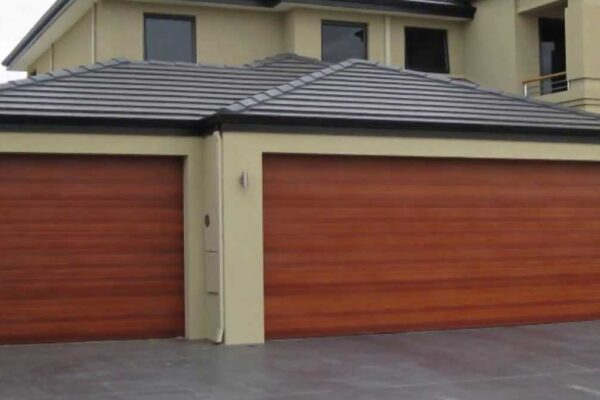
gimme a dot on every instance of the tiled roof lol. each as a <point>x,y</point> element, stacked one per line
<point>365,91</point>
<point>146,90</point>
<point>285,88</point>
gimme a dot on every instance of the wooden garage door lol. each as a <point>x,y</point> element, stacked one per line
<point>357,245</point>
<point>90,248</point>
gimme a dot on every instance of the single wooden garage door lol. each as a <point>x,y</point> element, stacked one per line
<point>91,248</point>
<point>359,245</point>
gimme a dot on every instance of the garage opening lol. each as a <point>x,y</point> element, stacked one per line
<point>359,245</point>
<point>91,248</point>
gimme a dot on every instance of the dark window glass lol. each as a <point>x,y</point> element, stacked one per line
<point>170,38</point>
<point>553,54</point>
<point>342,41</point>
<point>427,50</point>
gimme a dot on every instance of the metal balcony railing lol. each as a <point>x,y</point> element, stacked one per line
<point>546,84</point>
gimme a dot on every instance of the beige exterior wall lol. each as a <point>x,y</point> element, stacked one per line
<point>583,53</point>
<point>42,65</point>
<point>223,36</point>
<point>237,36</point>
<point>243,213</point>
<point>490,45</point>
<point>75,47</point>
<point>200,306</point>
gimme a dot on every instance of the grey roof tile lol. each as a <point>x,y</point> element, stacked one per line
<point>282,86</point>
<point>136,89</point>
<point>361,90</point>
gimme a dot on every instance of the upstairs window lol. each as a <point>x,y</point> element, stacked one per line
<point>427,50</point>
<point>343,40</point>
<point>553,55</point>
<point>169,38</point>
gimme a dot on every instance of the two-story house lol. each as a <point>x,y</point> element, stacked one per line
<point>245,170</point>
<point>506,44</point>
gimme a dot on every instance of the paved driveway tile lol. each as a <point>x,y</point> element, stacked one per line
<point>535,362</point>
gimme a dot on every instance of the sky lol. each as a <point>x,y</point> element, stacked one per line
<point>17,17</point>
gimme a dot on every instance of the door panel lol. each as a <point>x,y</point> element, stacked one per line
<point>376,244</point>
<point>91,248</point>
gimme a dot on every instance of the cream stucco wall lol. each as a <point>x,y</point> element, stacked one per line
<point>243,213</point>
<point>236,35</point>
<point>72,49</point>
<point>490,45</point>
<point>583,52</point>
<point>75,47</point>
<point>43,64</point>
<point>501,45</point>
<point>199,305</point>
<point>223,35</point>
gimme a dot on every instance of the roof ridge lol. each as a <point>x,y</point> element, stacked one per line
<point>62,73</point>
<point>479,87</point>
<point>263,62</point>
<point>266,95</point>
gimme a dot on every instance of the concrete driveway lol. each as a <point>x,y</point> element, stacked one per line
<point>536,362</point>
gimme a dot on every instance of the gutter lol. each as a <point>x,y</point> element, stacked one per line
<point>225,119</point>
<point>265,123</point>
<point>55,11</point>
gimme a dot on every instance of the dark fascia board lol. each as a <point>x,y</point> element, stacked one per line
<point>54,10</point>
<point>227,122</point>
<point>255,123</point>
<point>115,125</point>
<point>460,9</point>
<point>463,10</point>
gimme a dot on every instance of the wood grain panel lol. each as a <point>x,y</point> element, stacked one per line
<point>378,244</point>
<point>91,248</point>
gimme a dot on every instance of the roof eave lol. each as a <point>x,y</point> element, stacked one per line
<point>61,16</point>
<point>465,11</point>
<point>56,9</point>
<point>387,127</point>
<point>226,120</point>
<point>57,123</point>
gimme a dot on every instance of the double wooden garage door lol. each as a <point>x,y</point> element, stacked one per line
<point>90,248</point>
<point>360,245</point>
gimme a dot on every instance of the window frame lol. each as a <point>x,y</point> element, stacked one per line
<point>363,25</point>
<point>446,48</point>
<point>172,17</point>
